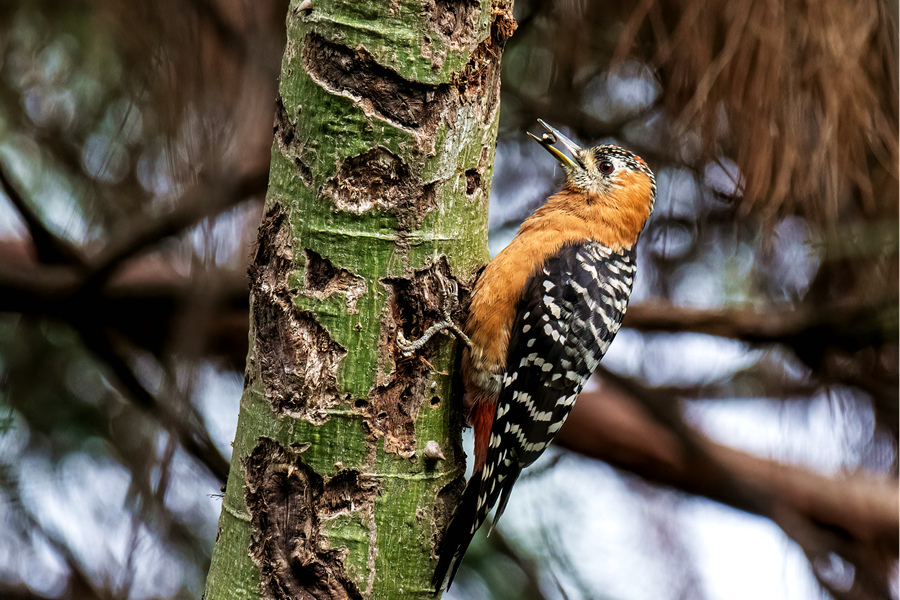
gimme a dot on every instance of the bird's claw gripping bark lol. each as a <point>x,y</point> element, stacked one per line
<point>449,299</point>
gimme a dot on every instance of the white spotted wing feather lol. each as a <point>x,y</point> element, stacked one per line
<point>569,313</point>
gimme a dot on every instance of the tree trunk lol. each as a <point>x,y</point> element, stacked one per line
<point>385,126</point>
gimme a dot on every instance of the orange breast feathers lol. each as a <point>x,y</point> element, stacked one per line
<point>567,217</point>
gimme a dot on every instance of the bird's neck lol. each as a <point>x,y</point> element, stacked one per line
<point>615,220</point>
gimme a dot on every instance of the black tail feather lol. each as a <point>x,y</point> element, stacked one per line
<point>508,483</point>
<point>480,496</point>
<point>459,534</point>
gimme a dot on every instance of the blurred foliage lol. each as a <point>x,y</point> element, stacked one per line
<point>134,140</point>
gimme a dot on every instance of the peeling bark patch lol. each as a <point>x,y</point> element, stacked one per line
<point>504,24</point>
<point>298,358</point>
<point>291,146</point>
<point>323,279</point>
<point>453,20</point>
<point>394,408</point>
<point>481,76</point>
<point>413,105</point>
<point>355,72</point>
<point>301,380</point>
<point>416,302</point>
<point>288,503</point>
<point>393,405</point>
<point>378,178</point>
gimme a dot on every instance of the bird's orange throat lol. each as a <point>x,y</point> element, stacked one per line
<point>614,219</point>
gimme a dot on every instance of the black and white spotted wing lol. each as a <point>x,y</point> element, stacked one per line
<point>569,313</point>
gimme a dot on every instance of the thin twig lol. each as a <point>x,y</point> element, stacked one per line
<point>194,439</point>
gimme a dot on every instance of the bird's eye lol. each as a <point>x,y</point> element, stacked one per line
<point>606,167</point>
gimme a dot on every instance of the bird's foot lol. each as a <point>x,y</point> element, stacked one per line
<point>449,299</point>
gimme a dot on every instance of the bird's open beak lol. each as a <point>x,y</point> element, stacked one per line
<point>550,138</point>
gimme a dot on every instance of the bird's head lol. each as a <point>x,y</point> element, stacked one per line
<point>607,174</point>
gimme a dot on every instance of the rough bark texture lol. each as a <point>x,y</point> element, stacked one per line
<point>381,167</point>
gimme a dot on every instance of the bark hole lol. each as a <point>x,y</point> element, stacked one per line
<point>299,360</point>
<point>473,182</point>
<point>323,279</point>
<point>288,502</point>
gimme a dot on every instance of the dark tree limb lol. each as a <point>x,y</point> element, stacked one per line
<point>49,247</point>
<point>204,200</point>
<point>854,516</point>
<point>755,326</point>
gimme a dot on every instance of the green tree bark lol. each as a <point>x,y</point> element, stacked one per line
<point>378,192</point>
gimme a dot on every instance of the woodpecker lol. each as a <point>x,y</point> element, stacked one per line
<point>542,315</point>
